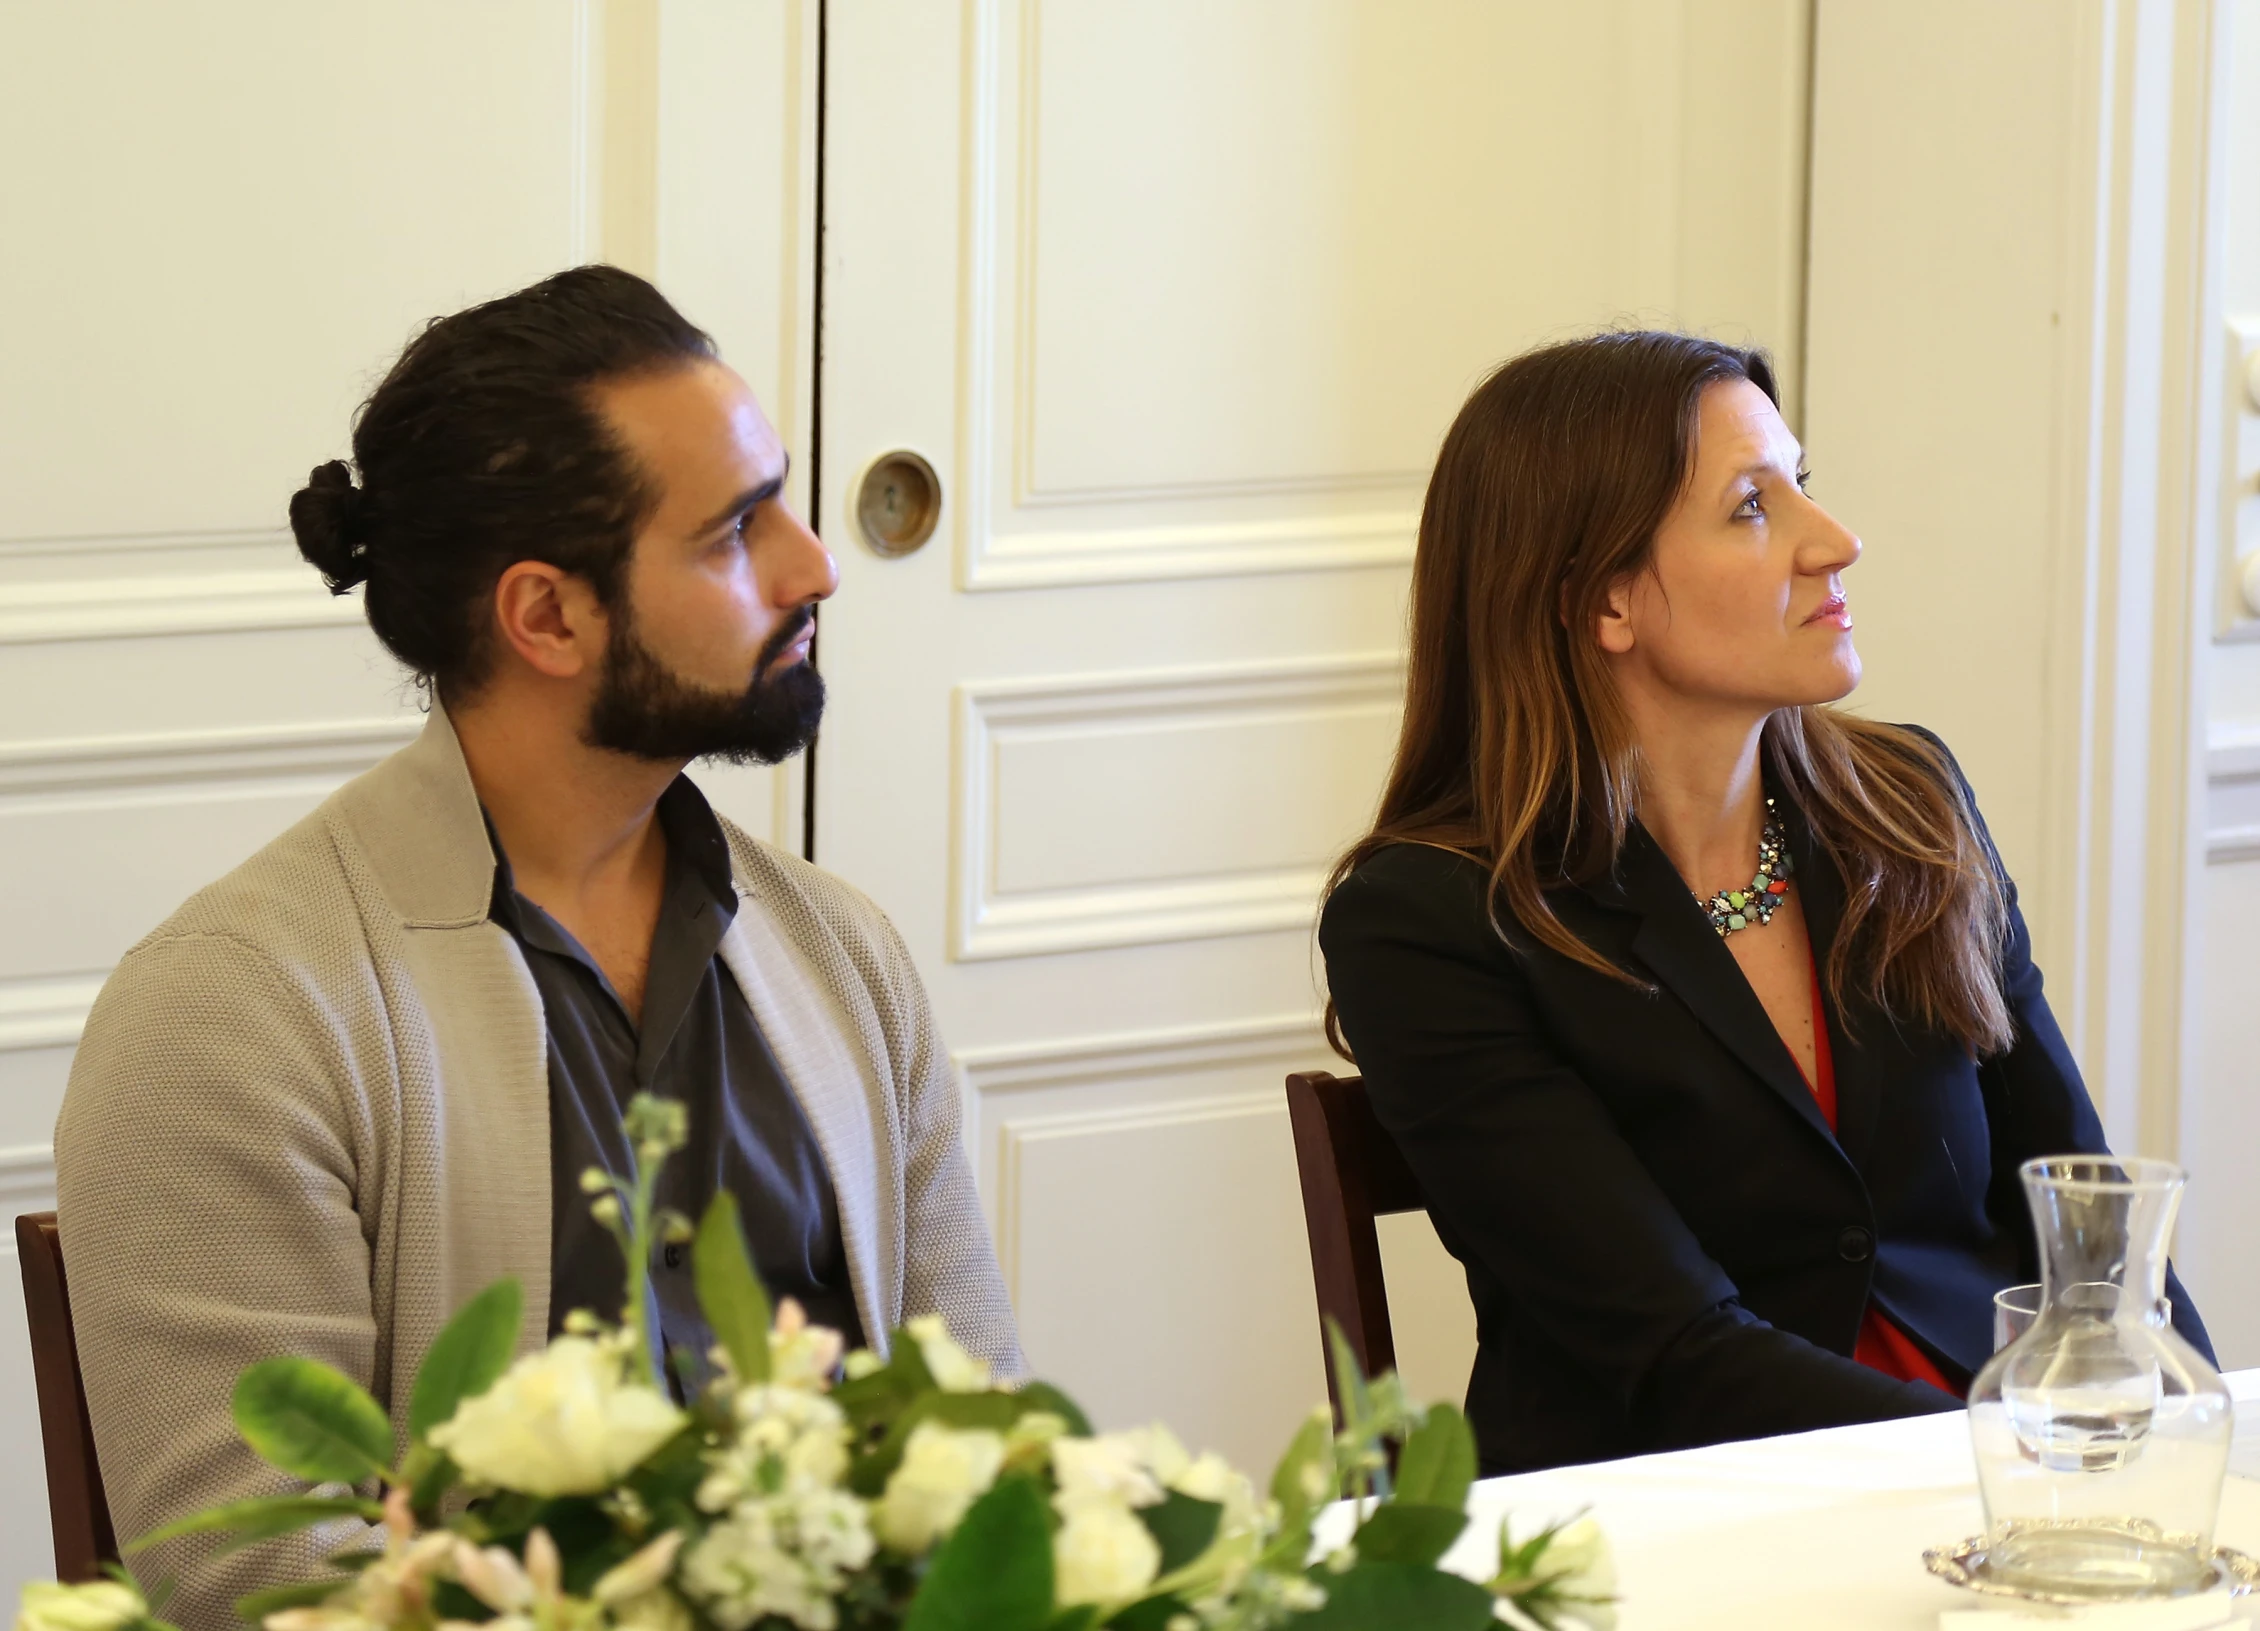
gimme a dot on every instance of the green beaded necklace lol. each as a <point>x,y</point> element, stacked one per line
<point>1732,909</point>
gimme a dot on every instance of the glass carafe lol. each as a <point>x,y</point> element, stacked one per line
<point>2102,1437</point>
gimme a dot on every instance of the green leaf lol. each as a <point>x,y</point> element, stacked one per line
<point>1397,1597</point>
<point>468,1356</point>
<point>874,1400</point>
<point>1309,1461</point>
<point>1437,1463</point>
<point>1150,1614</point>
<point>998,1411</point>
<point>312,1421</point>
<point>1043,1396</point>
<point>994,1573</point>
<point>1184,1525</point>
<point>429,1475</point>
<point>261,1519</point>
<point>256,1607</point>
<point>1349,1376</point>
<point>1079,1618</point>
<point>1402,1531</point>
<point>729,1292</point>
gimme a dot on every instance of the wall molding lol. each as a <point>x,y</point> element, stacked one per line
<point>2232,794</point>
<point>1127,1055</point>
<point>44,1011</point>
<point>1035,560</point>
<point>343,747</point>
<point>173,603</point>
<point>996,406</point>
<point>27,1184</point>
<point>986,922</point>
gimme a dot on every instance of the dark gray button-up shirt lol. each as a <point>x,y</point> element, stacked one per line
<point>698,1043</point>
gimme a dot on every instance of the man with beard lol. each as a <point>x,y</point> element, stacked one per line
<point>362,1076</point>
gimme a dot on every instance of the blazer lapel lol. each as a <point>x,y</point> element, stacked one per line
<point>1683,951</point>
<point>1820,891</point>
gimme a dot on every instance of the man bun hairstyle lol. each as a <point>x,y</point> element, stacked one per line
<point>483,446</point>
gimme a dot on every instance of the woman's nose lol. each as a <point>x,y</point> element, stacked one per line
<point>1830,546</point>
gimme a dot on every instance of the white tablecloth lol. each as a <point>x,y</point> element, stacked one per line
<point>1823,1530</point>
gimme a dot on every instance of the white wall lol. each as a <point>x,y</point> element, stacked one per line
<point>220,223</point>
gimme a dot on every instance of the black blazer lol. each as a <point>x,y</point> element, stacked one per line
<point>1665,1244</point>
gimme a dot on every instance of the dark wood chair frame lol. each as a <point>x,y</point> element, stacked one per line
<point>1352,1173</point>
<point>80,1513</point>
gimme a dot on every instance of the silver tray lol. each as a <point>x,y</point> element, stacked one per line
<point>1967,1566</point>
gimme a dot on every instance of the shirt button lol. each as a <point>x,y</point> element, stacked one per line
<point>1854,1245</point>
<point>672,1256</point>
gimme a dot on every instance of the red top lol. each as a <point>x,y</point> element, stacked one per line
<point>1882,1345</point>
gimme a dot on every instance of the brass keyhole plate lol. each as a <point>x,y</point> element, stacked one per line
<point>898,503</point>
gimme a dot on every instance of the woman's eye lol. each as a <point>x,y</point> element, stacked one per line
<point>1805,481</point>
<point>1750,508</point>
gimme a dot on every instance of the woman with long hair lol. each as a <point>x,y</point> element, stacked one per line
<point>1702,1011</point>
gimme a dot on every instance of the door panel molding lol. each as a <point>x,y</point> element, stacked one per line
<point>1184,900</point>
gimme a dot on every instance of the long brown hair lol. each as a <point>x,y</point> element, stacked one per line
<point>1516,752</point>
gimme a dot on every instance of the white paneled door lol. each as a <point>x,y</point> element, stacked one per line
<point>1176,300</point>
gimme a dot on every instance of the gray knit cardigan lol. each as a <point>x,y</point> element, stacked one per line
<point>310,1116</point>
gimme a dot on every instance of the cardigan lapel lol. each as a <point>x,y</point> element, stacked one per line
<point>1683,951</point>
<point>833,1082</point>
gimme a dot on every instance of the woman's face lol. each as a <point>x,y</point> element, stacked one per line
<point>1742,607</point>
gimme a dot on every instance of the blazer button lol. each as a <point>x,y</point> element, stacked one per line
<point>1855,1244</point>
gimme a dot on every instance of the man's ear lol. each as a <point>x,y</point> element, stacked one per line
<point>1612,625</point>
<point>550,618</point>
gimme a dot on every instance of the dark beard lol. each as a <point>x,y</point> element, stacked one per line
<point>644,708</point>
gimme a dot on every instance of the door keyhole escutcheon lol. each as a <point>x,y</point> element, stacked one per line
<point>898,503</point>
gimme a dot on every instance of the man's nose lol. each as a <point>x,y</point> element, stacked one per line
<point>806,570</point>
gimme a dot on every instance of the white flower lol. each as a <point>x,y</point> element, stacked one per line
<point>1110,1469</point>
<point>569,1420</point>
<point>787,1440</point>
<point>1209,1477</point>
<point>1578,1565</point>
<point>99,1605</point>
<point>943,1471</point>
<point>395,1589</point>
<point>786,1555</point>
<point>640,1574</point>
<point>802,1355</point>
<point>1102,1554</point>
<point>953,1369</point>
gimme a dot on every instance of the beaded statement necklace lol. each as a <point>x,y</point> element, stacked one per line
<point>1732,909</point>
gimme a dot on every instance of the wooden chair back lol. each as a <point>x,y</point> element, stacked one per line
<point>1352,1173</point>
<point>84,1540</point>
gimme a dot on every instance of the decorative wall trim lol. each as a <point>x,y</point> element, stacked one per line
<point>1034,560</point>
<point>2232,794</point>
<point>340,748</point>
<point>1131,1055</point>
<point>171,603</point>
<point>1017,1137</point>
<point>27,1184</point>
<point>44,1011</point>
<point>996,409</point>
<point>118,543</point>
<point>987,923</point>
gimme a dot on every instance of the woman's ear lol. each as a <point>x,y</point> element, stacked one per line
<point>1612,625</point>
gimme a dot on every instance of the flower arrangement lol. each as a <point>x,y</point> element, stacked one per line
<point>822,1491</point>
